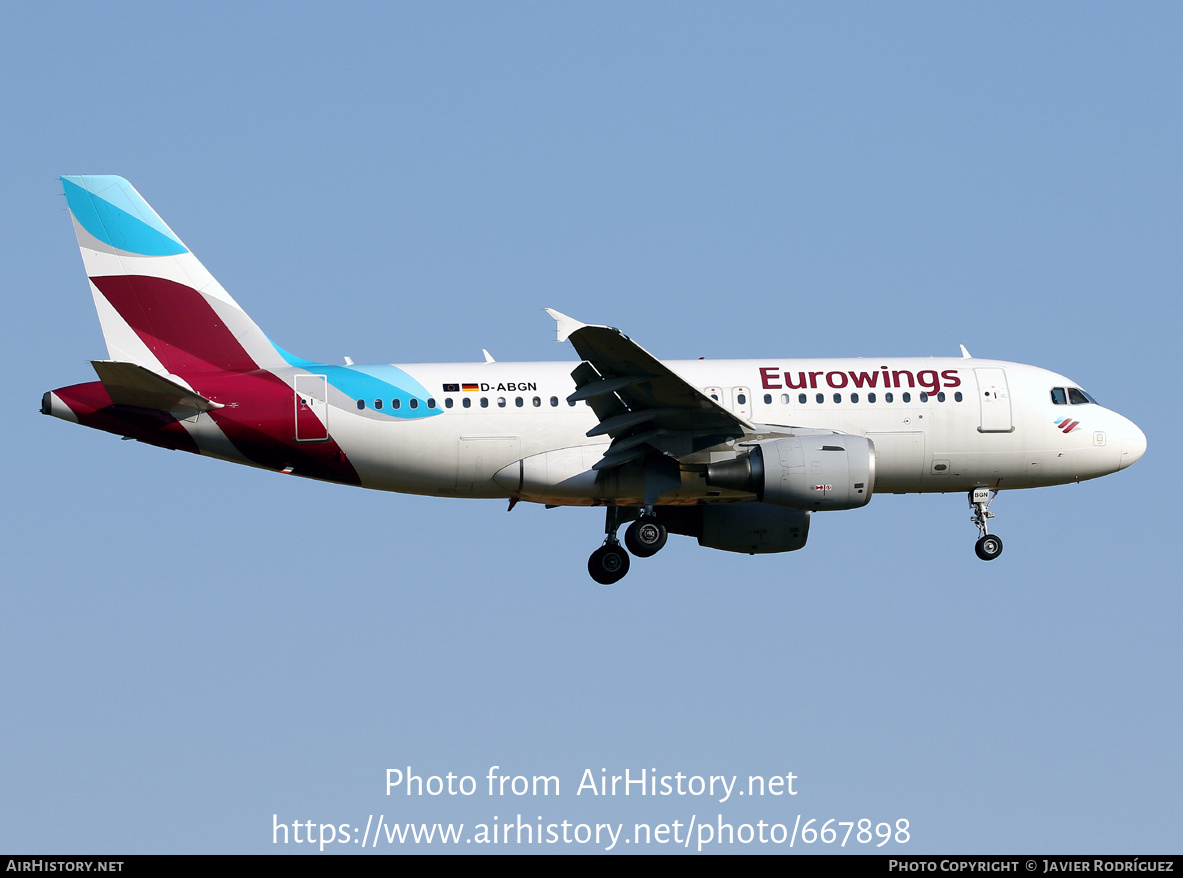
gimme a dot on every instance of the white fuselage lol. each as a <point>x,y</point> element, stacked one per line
<point>937,425</point>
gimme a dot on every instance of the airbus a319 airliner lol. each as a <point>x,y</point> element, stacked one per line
<point>737,453</point>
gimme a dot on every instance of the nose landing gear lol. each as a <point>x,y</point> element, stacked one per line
<point>644,538</point>
<point>988,547</point>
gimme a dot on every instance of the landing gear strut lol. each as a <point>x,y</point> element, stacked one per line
<point>988,547</point>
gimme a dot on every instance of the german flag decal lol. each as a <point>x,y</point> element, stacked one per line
<point>471,388</point>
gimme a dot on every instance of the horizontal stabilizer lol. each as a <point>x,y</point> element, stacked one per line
<point>131,384</point>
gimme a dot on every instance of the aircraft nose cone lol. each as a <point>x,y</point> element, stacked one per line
<point>1133,446</point>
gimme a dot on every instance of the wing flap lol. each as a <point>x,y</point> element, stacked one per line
<point>610,460</point>
<point>618,424</point>
<point>603,387</point>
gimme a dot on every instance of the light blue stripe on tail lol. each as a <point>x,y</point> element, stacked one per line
<point>114,213</point>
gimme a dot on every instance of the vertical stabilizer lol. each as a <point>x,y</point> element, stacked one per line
<point>158,306</point>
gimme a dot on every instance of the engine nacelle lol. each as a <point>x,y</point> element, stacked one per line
<point>830,471</point>
<point>753,528</point>
<point>750,528</point>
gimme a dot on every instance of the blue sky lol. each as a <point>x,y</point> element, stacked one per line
<point>190,648</point>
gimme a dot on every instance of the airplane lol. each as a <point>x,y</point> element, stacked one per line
<point>736,453</point>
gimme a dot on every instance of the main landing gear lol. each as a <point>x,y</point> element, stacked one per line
<point>988,547</point>
<point>609,563</point>
<point>644,538</point>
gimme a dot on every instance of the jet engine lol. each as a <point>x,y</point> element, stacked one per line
<point>829,471</point>
<point>749,528</point>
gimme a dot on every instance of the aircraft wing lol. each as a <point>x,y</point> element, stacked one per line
<point>640,402</point>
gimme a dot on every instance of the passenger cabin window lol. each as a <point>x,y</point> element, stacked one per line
<point>361,405</point>
<point>554,401</point>
<point>801,398</point>
<point>466,402</point>
<point>768,399</point>
<point>414,403</point>
<point>448,402</point>
<point>394,403</point>
<point>484,402</point>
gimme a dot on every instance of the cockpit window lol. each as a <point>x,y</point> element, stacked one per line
<point>1076,396</point>
<point>1059,397</point>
